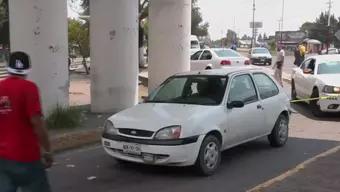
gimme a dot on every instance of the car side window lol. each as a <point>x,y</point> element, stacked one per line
<point>311,65</point>
<point>266,86</point>
<point>242,89</point>
<point>196,56</point>
<point>304,64</point>
<point>206,55</point>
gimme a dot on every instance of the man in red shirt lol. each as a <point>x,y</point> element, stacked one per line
<point>25,150</point>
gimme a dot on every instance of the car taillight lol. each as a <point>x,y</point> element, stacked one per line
<point>247,62</point>
<point>225,62</point>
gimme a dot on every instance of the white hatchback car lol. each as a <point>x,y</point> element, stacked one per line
<point>218,58</point>
<point>193,116</point>
<point>318,76</point>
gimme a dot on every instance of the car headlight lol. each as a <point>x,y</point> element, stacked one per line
<point>109,128</point>
<point>168,133</point>
<point>331,89</point>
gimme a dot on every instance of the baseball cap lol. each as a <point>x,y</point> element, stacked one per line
<point>19,63</point>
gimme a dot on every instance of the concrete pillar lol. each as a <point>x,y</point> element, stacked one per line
<point>114,54</point>
<point>39,28</point>
<point>169,39</point>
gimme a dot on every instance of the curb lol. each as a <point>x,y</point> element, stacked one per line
<point>74,140</point>
<point>293,171</point>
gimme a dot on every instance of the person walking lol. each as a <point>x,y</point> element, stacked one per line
<point>279,64</point>
<point>25,150</point>
<point>298,58</point>
<point>303,51</point>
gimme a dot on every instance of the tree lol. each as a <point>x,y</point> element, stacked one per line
<point>231,37</point>
<point>260,38</point>
<point>320,30</point>
<point>265,37</point>
<point>198,28</point>
<point>79,39</point>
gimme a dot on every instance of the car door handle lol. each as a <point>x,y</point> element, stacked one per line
<point>259,107</point>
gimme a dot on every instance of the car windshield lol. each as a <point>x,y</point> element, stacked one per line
<point>331,67</point>
<point>227,53</point>
<point>197,90</point>
<point>195,45</point>
<point>260,51</point>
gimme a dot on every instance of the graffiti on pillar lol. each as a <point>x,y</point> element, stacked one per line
<point>54,48</point>
<point>112,34</point>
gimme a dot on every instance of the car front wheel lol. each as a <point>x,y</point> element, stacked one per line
<point>279,134</point>
<point>209,156</point>
<point>315,107</point>
<point>293,91</point>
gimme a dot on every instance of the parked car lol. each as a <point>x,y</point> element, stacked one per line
<point>194,44</point>
<point>331,51</point>
<point>318,76</point>
<point>260,55</point>
<point>193,116</point>
<point>218,58</point>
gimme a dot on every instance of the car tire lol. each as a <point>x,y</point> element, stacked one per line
<point>315,108</point>
<point>293,91</point>
<point>279,134</point>
<point>209,157</point>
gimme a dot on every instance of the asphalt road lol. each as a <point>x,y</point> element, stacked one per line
<point>243,167</point>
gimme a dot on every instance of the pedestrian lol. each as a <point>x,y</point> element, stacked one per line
<point>25,150</point>
<point>297,55</point>
<point>302,50</point>
<point>279,64</point>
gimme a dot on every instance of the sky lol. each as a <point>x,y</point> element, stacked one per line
<point>236,14</point>
<point>222,14</point>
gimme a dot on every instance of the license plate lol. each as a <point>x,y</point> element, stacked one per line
<point>262,59</point>
<point>130,148</point>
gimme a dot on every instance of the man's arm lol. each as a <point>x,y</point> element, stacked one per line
<point>42,133</point>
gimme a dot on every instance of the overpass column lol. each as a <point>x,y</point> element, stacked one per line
<point>169,39</point>
<point>114,54</point>
<point>39,28</point>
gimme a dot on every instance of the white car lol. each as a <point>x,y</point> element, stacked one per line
<point>218,58</point>
<point>194,116</point>
<point>260,55</point>
<point>331,51</point>
<point>318,76</point>
<point>194,44</point>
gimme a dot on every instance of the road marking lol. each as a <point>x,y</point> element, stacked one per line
<point>293,171</point>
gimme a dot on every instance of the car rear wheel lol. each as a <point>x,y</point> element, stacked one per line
<point>279,134</point>
<point>209,156</point>
<point>293,91</point>
<point>314,105</point>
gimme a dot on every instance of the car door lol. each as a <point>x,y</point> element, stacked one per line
<point>306,80</point>
<point>194,60</point>
<point>243,123</point>
<point>269,93</point>
<point>205,59</point>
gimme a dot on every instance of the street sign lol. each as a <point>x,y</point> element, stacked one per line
<point>337,34</point>
<point>257,25</point>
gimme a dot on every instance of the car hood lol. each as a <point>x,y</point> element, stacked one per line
<point>330,79</point>
<point>153,116</point>
<point>261,55</point>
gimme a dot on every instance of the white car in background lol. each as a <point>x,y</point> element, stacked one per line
<point>331,51</point>
<point>218,58</point>
<point>193,116</point>
<point>260,55</point>
<point>318,76</point>
<point>194,44</point>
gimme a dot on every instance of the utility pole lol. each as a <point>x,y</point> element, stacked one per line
<point>253,38</point>
<point>282,16</point>
<point>329,25</point>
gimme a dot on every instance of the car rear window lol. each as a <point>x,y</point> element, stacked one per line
<point>227,53</point>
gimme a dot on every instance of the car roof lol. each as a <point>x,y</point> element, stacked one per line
<point>322,58</point>
<point>224,71</point>
<point>259,48</point>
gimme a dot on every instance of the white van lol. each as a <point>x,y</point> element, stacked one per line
<point>194,44</point>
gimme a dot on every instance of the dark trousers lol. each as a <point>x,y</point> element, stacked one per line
<point>28,177</point>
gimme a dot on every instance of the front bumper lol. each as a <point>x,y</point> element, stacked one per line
<point>331,104</point>
<point>182,152</point>
<point>261,60</point>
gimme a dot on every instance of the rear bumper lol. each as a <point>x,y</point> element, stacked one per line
<point>183,152</point>
<point>261,60</point>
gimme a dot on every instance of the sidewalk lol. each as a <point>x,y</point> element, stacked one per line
<point>320,174</point>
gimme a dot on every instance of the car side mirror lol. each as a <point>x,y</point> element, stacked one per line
<point>307,71</point>
<point>235,104</point>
